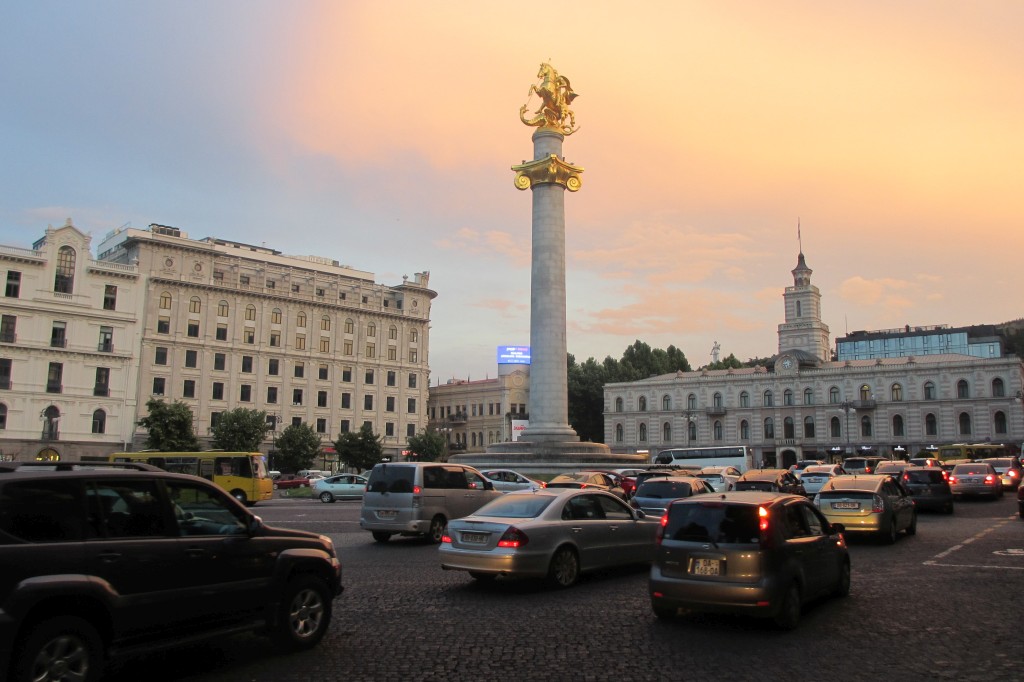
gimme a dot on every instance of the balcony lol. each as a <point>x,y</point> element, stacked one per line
<point>101,391</point>
<point>105,347</point>
<point>457,418</point>
<point>716,411</point>
<point>865,404</point>
<point>59,342</point>
<point>50,433</point>
<point>8,337</point>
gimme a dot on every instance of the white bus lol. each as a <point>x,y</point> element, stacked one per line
<point>739,456</point>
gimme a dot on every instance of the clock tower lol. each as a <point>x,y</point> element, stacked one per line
<point>803,329</point>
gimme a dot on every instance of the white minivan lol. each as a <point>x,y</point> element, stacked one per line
<point>419,498</point>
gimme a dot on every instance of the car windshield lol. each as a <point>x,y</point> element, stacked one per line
<point>570,478</point>
<point>714,522</point>
<point>711,477</point>
<point>515,506</point>
<point>666,490</point>
<point>393,479</point>
<point>817,470</point>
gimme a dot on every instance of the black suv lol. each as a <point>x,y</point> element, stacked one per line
<point>97,562</point>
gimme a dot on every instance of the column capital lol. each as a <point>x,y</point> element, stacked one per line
<point>550,170</point>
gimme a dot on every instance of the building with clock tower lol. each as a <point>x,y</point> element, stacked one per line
<point>803,331</point>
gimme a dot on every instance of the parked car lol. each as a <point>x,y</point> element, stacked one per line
<point>798,468</point>
<point>340,487</point>
<point>98,560</point>
<point>418,498</point>
<point>893,468</point>
<point>722,479</point>
<point>506,480</point>
<point>770,481</point>
<point>817,475</point>
<point>870,504</point>
<point>654,495</point>
<point>861,465</point>
<point>554,533</point>
<point>598,480</point>
<point>757,553</point>
<point>975,478</point>
<point>929,488</point>
<point>1009,470</point>
<point>628,480</point>
<point>289,481</point>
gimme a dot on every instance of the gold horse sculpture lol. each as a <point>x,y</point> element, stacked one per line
<point>556,95</point>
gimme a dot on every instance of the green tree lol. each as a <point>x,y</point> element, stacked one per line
<point>586,398</point>
<point>240,430</point>
<point>360,450</point>
<point>428,445</point>
<point>297,448</point>
<point>170,427</point>
<point>729,362</point>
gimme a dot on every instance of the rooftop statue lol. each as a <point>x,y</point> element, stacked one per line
<point>556,95</point>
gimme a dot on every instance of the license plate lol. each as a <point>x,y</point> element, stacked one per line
<point>846,505</point>
<point>706,567</point>
<point>387,515</point>
<point>474,538</point>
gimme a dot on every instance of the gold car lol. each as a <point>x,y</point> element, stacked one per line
<point>868,504</point>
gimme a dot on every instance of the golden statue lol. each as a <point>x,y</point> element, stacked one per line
<point>556,95</point>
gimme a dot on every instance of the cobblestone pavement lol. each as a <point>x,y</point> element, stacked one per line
<point>945,604</point>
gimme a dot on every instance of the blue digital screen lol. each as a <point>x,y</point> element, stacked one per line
<point>513,355</point>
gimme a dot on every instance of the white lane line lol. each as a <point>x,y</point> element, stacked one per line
<point>977,536</point>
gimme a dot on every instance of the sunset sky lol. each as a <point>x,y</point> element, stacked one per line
<point>381,134</point>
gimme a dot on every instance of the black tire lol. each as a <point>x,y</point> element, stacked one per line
<point>912,528</point>
<point>843,586</point>
<point>381,536</point>
<point>240,496</point>
<point>564,569</point>
<point>949,509</point>
<point>437,526</point>
<point>275,485</point>
<point>788,616</point>
<point>326,497</point>
<point>889,536</point>
<point>482,577</point>
<point>304,614</point>
<point>66,644</point>
<point>1020,511</point>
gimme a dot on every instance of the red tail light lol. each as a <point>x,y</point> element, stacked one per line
<point>990,479</point>
<point>951,478</point>
<point>762,518</point>
<point>446,538</point>
<point>1012,473</point>
<point>877,504</point>
<point>513,538</point>
<point>867,470</point>
<point>543,484</point>
<point>416,490</point>
<point>660,535</point>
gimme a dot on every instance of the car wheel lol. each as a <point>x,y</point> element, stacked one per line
<point>1020,511</point>
<point>843,586</point>
<point>949,509</point>
<point>564,570</point>
<point>482,577</point>
<point>275,486</point>
<point>788,616</point>
<point>890,536</point>
<point>912,528</point>
<point>664,612</point>
<point>326,497</point>
<point>63,648</point>
<point>437,526</point>
<point>304,614</point>
<point>239,495</point>
<point>381,536</point>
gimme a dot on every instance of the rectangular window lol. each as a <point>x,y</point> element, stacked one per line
<point>392,353</point>
<point>159,384</point>
<point>218,390</point>
<point>325,345</point>
<point>413,357</point>
<point>270,284</point>
<point>297,396</point>
<point>8,328</point>
<point>219,361</point>
<point>371,350</point>
<point>222,309</point>
<point>275,339</point>
<point>369,376</point>
<point>275,316</point>
<point>346,400</point>
<point>410,430</point>
<point>102,386</point>
<point>160,356</point>
<point>296,421</point>
<point>389,404</point>
<point>300,370</point>
<point>58,335</point>
<point>245,393</point>
<point>322,373</point>
<point>13,284</point>
<point>188,388</point>
<point>247,364</point>
<point>106,341</point>
<point>412,381</point>
<point>344,426</point>
<point>272,395</point>
<point>272,367</point>
<point>243,280</point>
<point>389,429</point>
<point>391,378</point>
<point>296,288</point>
<point>300,342</point>
<point>5,373</point>
<point>214,419</point>
<point>368,401</point>
<point>163,325</point>
<point>222,332</point>
<point>193,329</point>
<point>346,374</point>
<point>347,348</point>
<point>321,398</point>
<point>191,358</point>
<point>412,406</point>
<point>321,425</point>
<point>109,297</point>
<point>249,336</point>
<point>250,313</point>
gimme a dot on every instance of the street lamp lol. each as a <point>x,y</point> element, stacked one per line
<point>847,407</point>
<point>690,418</point>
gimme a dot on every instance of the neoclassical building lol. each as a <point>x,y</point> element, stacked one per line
<point>475,414</point>
<point>804,406</point>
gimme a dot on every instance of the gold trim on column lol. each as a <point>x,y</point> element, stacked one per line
<point>549,171</point>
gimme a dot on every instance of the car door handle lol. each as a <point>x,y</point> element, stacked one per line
<point>195,551</point>
<point>109,557</point>
<point>577,529</point>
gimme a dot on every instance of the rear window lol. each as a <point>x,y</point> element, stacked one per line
<point>667,490</point>
<point>385,479</point>
<point>970,470</point>
<point>712,522</point>
<point>924,476</point>
<point>515,507</point>
<point>846,495</point>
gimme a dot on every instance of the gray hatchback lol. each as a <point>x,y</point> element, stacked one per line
<point>762,554</point>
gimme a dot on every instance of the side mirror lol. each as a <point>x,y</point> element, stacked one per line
<point>488,485</point>
<point>640,514</point>
<point>255,523</point>
<point>837,528</point>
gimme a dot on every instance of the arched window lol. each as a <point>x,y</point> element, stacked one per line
<point>641,404</point>
<point>744,430</point>
<point>769,428</point>
<point>865,426</point>
<point>393,333</point>
<point>808,396</point>
<point>929,391</point>
<point>618,433</point>
<point>835,428</point>
<point>963,390</point>
<point>643,433</point>
<point>325,325</point>
<point>808,427</point>
<point>833,395</point>
<point>3,416</point>
<point>999,422</point>
<point>798,309</point>
<point>691,402</point>
<point>998,388</point>
<point>744,399</point>
<point>865,392</point>
<point>195,305</point>
<point>666,433</point>
<point>769,399</point>
<point>51,422</point>
<point>666,402</point>
<point>165,301</point>
<point>275,316</point>
<point>716,400</point>
<point>64,281</point>
<point>965,424</point>
<point>618,404</point>
<point>788,430</point>
<point>222,309</point>
<point>691,432</point>
<point>931,427</point>
<point>897,426</point>
<point>371,329</point>
<point>718,430</point>
<point>300,319</point>
<point>473,439</point>
<point>787,397</point>
<point>99,421</point>
<point>896,393</point>
<point>250,313</point>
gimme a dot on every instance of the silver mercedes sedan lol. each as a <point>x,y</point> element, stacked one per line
<point>550,533</point>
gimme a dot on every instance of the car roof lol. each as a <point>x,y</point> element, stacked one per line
<point>762,474</point>
<point>820,468</point>
<point>563,492</point>
<point>749,497</point>
<point>868,482</point>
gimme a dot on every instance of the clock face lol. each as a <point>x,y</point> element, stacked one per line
<point>787,363</point>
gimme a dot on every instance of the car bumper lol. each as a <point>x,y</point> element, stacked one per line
<point>993,490</point>
<point>756,599</point>
<point>399,525</point>
<point>869,523</point>
<point>496,562</point>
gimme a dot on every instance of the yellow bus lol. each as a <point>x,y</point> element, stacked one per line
<point>967,452</point>
<point>243,474</point>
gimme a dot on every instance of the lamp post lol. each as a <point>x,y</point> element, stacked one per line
<point>688,415</point>
<point>847,407</point>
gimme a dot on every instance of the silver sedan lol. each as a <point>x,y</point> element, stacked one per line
<point>507,480</point>
<point>551,533</point>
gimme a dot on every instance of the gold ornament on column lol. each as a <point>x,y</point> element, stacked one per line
<point>556,95</point>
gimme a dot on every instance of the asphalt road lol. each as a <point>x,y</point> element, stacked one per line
<point>947,603</point>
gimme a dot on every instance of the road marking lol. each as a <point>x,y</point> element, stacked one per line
<point>934,561</point>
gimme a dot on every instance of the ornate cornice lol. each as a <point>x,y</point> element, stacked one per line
<point>548,171</point>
